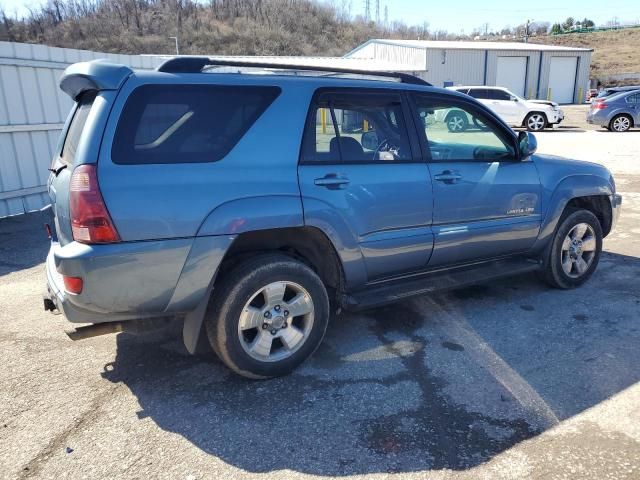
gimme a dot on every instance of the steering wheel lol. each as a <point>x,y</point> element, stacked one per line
<point>386,146</point>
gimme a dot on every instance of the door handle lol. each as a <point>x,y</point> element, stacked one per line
<point>448,176</point>
<point>332,181</point>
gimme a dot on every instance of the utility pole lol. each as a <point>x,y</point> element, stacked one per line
<point>378,12</point>
<point>177,49</point>
<point>526,31</point>
<point>367,10</point>
<point>386,16</point>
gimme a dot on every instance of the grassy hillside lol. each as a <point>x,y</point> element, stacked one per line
<point>613,51</point>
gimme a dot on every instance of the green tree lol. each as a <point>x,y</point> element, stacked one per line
<point>556,29</point>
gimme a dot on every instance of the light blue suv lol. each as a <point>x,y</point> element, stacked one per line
<point>252,201</point>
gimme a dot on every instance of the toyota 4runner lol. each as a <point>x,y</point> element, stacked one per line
<point>252,201</point>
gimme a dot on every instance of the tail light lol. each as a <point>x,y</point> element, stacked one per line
<point>73,284</point>
<point>599,105</point>
<point>90,220</point>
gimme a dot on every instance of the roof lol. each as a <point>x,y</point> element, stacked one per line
<point>466,45</point>
<point>373,65</point>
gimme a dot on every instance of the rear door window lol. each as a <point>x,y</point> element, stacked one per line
<point>481,93</point>
<point>356,127</point>
<point>70,146</point>
<point>186,123</point>
<point>495,94</point>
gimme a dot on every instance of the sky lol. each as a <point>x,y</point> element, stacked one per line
<point>466,15</point>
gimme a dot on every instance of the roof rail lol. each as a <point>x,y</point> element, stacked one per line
<point>197,64</point>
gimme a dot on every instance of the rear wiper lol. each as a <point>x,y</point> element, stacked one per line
<point>56,171</point>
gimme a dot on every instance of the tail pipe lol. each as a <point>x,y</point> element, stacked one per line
<point>130,326</point>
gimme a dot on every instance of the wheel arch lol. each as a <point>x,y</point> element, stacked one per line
<point>307,244</point>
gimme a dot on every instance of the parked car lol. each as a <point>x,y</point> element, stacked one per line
<point>592,93</point>
<point>535,115</point>
<point>237,204</point>
<point>617,113</point>
<point>607,92</point>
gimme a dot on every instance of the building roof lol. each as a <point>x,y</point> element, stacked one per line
<point>475,45</point>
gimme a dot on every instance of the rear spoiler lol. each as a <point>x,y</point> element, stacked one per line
<point>91,76</point>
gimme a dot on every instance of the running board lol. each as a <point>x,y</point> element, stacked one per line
<point>457,277</point>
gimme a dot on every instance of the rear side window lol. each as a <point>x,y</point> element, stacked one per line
<point>479,93</point>
<point>495,94</point>
<point>186,123</point>
<point>76,127</point>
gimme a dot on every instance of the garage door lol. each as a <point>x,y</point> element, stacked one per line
<point>512,74</point>
<point>562,78</point>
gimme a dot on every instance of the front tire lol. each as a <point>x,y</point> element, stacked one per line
<point>535,121</point>
<point>267,316</point>
<point>457,121</point>
<point>575,250</point>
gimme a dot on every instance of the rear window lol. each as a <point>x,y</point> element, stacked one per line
<point>76,127</point>
<point>186,123</point>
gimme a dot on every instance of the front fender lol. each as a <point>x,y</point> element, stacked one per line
<point>573,186</point>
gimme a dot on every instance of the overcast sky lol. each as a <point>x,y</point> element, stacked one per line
<point>466,15</point>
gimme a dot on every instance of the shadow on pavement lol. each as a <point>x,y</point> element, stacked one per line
<point>23,241</point>
<point>447,381</point>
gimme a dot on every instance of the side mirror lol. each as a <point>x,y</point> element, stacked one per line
<point>527,144</point>
<point>514,99</point>
<point>369,140</point>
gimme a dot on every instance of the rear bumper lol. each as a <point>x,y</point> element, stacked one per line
<point>133,280</point>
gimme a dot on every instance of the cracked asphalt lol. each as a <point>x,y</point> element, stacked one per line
<point>507,380</point>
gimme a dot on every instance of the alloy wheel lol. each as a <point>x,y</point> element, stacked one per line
<point>276,321</point>
<point>535,122</point>
<point>621,124</point>
<point>455,124</point>
<point>578,250</point>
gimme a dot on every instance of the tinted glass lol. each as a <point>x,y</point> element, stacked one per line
<point>479,93</point>
<point>76,127</point>
<point>458,132</point>
<point>356,127</point>
<point>499,95</point>
<point>186,123</point>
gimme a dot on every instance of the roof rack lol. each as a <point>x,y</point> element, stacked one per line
<point>197,64</point>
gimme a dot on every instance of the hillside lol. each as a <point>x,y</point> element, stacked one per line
<point>614,52</point>
<point>235,27</point>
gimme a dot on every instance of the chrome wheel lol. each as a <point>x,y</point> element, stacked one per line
<point>455,124</point>
<point>276,321</point>
<point>621,124</point>
<point>536,122</point>
<point>578,250</point>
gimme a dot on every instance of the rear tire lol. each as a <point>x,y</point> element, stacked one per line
<point>535,121</point>
<point>267,316</point>
<point>575,250</point>
<point>620,123</point>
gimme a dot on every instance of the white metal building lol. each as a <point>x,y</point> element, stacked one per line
<point>531,70</point>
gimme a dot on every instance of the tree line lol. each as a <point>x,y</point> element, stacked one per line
<point>248,27</point>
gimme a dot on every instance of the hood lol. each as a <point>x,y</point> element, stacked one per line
<point>543,102</point>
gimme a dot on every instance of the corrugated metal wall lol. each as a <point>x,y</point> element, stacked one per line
<point>478,67</point>
<point>460,67</point>
<point>32,112</point>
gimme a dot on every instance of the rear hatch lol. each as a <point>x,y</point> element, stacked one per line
<point>63,163</point>
<point>93,86</point>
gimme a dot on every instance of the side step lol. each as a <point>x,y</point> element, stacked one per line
<point>129,326</point>
<point>438,280</point>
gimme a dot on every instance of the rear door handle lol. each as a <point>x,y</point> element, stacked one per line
<point>448,176</point>
<point>332,181</point>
